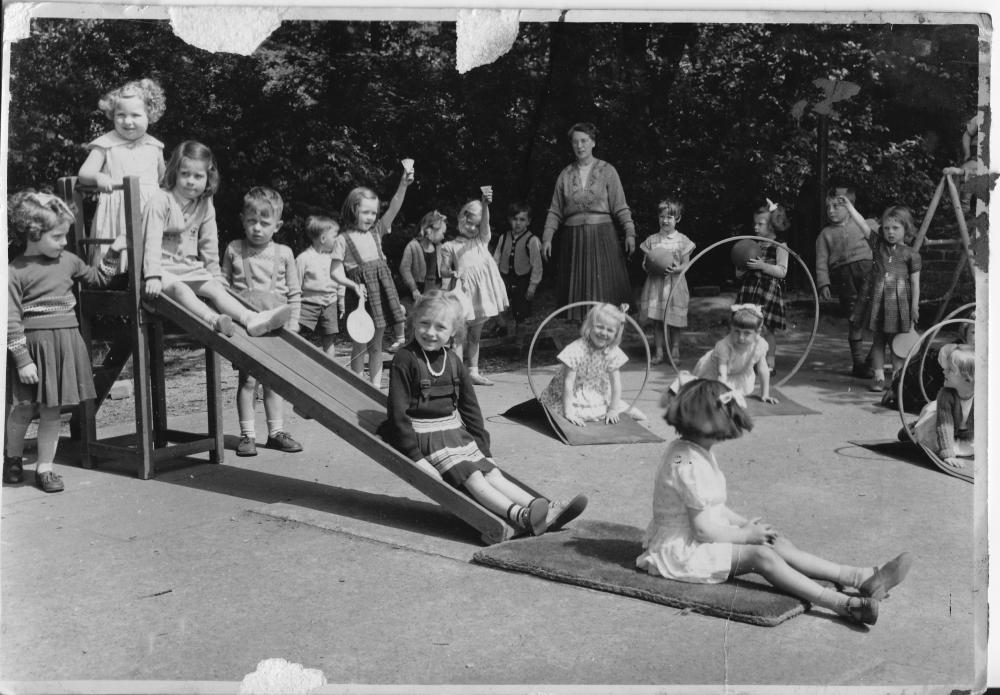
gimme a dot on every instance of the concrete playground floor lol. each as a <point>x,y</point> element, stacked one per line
<point>325,559</point>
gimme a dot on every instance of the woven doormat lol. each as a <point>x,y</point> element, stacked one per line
<point>601,555</point>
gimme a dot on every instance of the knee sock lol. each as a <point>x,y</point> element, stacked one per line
<point>517,515</point>
<point>247,429</point>
<point>17,427</point>
<point>275,426</point>
<point>857,350</point>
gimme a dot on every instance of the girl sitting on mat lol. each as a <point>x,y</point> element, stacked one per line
<point>588,386</point>
<point>945,424</point>
<point>733,358</point>
<point>434,418</point>
<point>694,537</point>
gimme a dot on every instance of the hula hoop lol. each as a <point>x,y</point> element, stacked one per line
<point>812,285</point>
<point>899,389</point>
<point>538,331</point>
<point>927,347</point>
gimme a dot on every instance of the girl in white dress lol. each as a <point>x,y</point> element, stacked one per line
<point>694,537</point>
<point>128,150</point>
<point>733,358</point>
<point>589,383</point>
<point>468,260</point>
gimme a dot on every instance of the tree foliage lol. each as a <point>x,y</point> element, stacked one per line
<point>705,112</point>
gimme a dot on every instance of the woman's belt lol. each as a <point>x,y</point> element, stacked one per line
<point>581,218</point>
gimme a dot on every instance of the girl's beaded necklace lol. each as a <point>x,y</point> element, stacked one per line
<point>444,362</point>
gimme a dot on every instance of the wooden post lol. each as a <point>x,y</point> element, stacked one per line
<point>823,138</point>
<point>931,209</point>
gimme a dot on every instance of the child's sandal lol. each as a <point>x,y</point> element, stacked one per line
<point>396,344</point>
<point>862,610</point>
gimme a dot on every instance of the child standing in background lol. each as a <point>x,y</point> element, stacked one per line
<point>843,263</point>
<point>48,364</point>
<point>419,265</point>
<point>890,299</point>
<point>358,262</point>
<point>761,282</point>
<point>323,299</point>
<point>519,257</point>
<point>588,386</point>
<point>468,261</point>
<point>733,358</point>
<point>694,536</point>
<point>181,258</point>
<point>264,274</point>
<point>667,318</point>
<point>128,150</point>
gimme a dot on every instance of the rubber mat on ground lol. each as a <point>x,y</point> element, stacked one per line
<point>601,555</point>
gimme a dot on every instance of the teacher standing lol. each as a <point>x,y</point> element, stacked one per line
<point>587,203</point>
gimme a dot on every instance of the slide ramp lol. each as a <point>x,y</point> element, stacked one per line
<point>336,398</point>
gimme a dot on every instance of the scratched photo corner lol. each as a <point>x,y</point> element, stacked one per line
<point>211,490</point>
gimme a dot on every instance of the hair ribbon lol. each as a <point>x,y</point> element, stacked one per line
<point>752,308</point>
<point>771,205</point>
<point>733,396</point>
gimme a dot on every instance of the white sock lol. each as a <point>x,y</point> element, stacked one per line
<point>45,467</point>
<point>247,429</point>
<point>246,317</point>
<point>275,426</point>
<point>853,576</point>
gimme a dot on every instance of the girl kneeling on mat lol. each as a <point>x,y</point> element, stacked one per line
<point>694,537</point>
<point>434,418</point>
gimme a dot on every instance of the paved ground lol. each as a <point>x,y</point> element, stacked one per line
<point>325,559</point>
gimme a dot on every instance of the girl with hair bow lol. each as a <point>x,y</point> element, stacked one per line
<point>733,358</point>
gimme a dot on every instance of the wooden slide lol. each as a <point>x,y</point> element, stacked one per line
<point>336,398</point>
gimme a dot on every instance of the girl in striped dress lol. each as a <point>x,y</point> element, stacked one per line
<point>434,418</point>
<point>359,263</point>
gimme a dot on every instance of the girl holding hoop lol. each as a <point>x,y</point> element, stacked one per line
<point>588,386</point>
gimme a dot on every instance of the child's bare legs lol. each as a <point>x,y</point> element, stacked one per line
<point>659,341</point>
<point>18,420</point>
<point>472,339</point>
<point>374,350</point>
<point>274,411</point>
<point>860,361</point>
<point>508,500</point>
<point>878,359</point>
<point>327,343</point>
<point>399,336</point>
<point>183,294</point>
<point>772,344</point>
<point>673,334</point>
<point>793,571</point>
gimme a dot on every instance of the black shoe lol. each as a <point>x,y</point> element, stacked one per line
<point>13,469</point>
<point>863,371</point>
<point>48,482</point>
<point>246,447</point>
<point>283,441</point>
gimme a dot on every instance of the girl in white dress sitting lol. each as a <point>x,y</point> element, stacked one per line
<point>589,383</point>
<point>733,358</point>
<point>694,537</point>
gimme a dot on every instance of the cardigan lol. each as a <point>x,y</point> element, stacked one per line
<point>602,195</point>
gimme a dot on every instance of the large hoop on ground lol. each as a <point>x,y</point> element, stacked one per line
<point>805,268</point>
<point>538,331</point>
<point>929,333</point>
<point>930,340</point>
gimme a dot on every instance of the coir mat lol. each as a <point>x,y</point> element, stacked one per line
<point>601,555</point>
